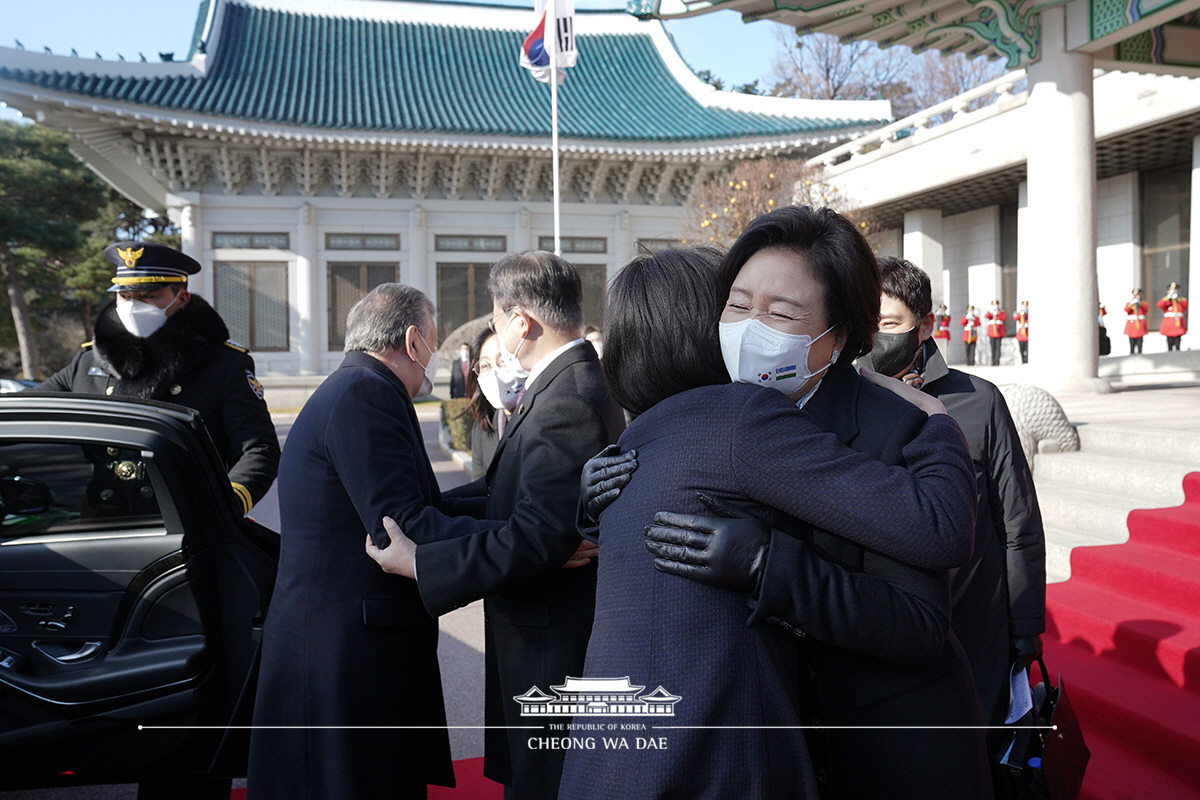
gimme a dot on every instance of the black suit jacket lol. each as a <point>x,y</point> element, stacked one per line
<point>344,642</point>
<point>458,381</point>
<point>865,663</point>
<point>539,615</point>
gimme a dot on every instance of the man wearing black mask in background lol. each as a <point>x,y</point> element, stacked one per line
<point>999,598</point>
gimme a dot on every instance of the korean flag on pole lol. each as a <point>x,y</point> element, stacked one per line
<point>535,52</point>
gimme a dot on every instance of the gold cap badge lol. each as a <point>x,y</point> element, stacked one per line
<point>130,256</point>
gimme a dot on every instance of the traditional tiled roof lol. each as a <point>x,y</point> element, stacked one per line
<point>275,66</point>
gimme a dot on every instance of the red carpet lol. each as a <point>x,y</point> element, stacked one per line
<point>468,774</point>
<point>1125,633</point>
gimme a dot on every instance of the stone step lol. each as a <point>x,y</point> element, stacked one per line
<point>1059,544</point>
<point>1101,514</point>
<point>1148,484</point>
<point>1147,444</point>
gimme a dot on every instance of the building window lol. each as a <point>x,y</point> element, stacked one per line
<point>478,244</point>
<point>347,285</point>
<point>575,244</point>
<point>362,241</point>
<point>1166,234</point>
<point>251,241</point>
<point>654,245</point>
<point>462,295</point>
<point>252,298</point>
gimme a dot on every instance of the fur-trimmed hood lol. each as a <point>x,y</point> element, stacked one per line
<point>148,367</point>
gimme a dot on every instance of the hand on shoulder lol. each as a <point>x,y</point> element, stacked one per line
<point>927,403</point>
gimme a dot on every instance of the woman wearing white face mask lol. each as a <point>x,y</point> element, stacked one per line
<point>803,302</point>
<point>494,393</point>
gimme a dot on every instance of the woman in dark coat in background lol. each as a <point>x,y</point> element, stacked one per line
<point>702,443</point>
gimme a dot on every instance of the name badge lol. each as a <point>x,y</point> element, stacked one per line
<point>97,372</point>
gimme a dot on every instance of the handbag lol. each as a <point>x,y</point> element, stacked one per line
<point>1047,761</point>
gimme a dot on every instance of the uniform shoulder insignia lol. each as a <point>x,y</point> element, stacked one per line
<point>85,345</point>
<point>232,345</point>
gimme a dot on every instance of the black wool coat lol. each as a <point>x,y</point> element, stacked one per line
<point>866,665</point>
<point>538,615</point>
<point>189,361</point>
<point>345,643</point>
<point>1001,593</point>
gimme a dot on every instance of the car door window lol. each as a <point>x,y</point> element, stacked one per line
<point>49,487</point>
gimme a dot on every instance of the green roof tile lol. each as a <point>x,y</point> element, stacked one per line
<point>333,73</point>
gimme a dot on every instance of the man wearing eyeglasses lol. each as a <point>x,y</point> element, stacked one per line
<point>535,574</point>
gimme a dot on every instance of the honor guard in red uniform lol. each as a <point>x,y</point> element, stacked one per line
<point>1174,321</point>
<point>995,317</point>
<point>941,330</point>
<point>1022,319</point>
<point>1135,321</point>
<point>970,334</point>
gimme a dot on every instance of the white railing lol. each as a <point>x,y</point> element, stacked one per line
<point>1007,85</point>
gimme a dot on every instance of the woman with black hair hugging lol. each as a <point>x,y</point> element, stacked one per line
<point>706,446</point>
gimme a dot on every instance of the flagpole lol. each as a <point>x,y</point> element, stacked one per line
<point>552,19</point>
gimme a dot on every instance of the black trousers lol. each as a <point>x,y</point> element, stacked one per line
<point>1024,348</point>
<point>970,353</point>
<point>1173,342</point>
<point>995,351</point>
<point>1135,344</point>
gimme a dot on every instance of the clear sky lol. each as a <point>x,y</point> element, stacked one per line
<point>720,42</point>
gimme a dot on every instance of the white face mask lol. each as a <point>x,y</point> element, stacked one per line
<point>141,318</point>
<point>510,359</point>
<point>431,368</point>
<point>501,387</point>
<point>756,353</point>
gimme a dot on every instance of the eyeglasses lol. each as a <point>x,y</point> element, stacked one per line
<point>492,321</point>
<point>482,368</point>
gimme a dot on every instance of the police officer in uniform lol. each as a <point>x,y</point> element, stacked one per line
<point>159,341</point>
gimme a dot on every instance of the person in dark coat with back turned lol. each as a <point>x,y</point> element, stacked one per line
<point>810,275</point>
<point>753,452</point>
<point>538,614</point>
<point>345,644</point>
<point>159,341</point>
<point>999,610</point>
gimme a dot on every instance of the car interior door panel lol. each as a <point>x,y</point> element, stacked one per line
<point>129,591</point>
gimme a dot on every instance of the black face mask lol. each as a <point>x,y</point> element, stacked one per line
<point>892,351</point>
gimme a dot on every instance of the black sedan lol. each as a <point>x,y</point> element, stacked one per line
<point>132,594</point>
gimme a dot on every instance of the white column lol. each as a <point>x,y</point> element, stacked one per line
<point>308,339</point>
<point>418,273</point>
<point>1192,289</point>
<point>622,251</point>
<point>923,247</point>
<point>522,232</point>
<point>1062,214</point>
<point>184,211</point>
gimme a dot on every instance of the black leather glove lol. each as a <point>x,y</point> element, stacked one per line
<point>1026,650</point>
<point>720,551</point>
<point>603,477</point>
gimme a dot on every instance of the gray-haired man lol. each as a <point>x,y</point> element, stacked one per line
<point>539,615</point>
<point>345,644</point>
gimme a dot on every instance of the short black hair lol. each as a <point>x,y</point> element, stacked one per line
<point>908,283</point>
<point>841,259</point>
<point>542,283</point>
<point>655,347</point>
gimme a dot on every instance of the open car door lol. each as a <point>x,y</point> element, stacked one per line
<point>131,594</point>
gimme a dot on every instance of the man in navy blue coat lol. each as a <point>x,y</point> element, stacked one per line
<point>539,614</point>
<point>346,644</point>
